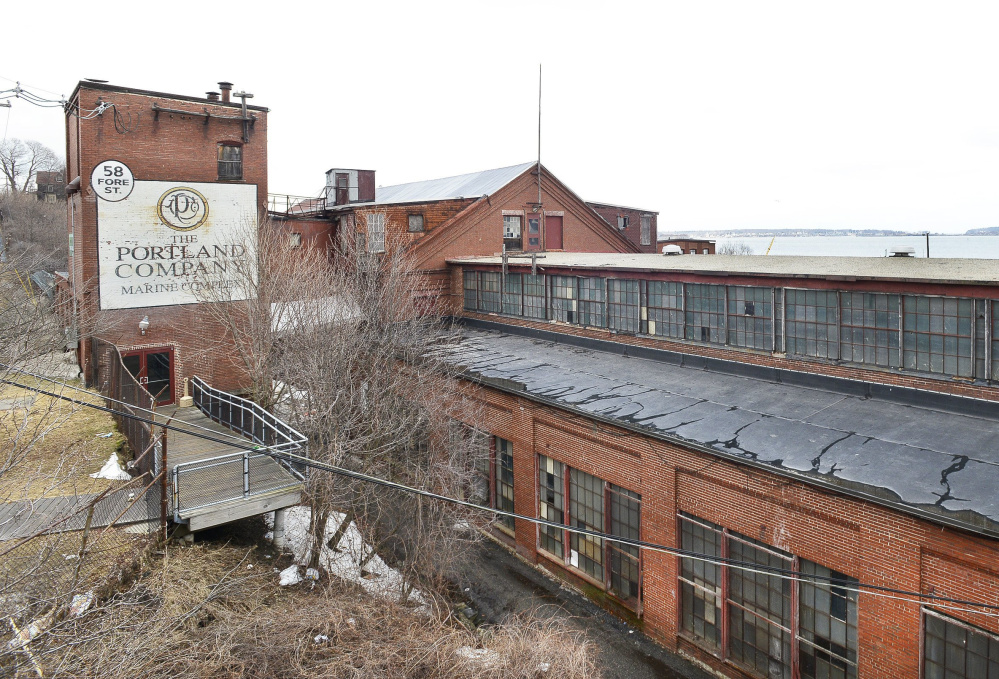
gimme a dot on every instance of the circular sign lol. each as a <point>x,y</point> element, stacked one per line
<point>112,180</point>
<point>182,209</point>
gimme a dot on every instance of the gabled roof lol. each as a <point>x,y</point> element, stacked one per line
<point>472,185</point>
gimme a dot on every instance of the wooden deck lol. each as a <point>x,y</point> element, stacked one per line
<point>211,478</point>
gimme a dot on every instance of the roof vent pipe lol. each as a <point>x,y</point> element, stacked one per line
<point>226,88</point>
<point>213,96</point>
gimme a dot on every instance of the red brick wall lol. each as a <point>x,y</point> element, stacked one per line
<point>872,543</point>
<point>633,231</point>
<point>163,147</point>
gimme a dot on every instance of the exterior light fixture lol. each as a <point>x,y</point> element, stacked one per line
<point>144,324</point>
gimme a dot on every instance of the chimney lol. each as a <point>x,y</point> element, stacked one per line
<point>213,96</point>
<point>226,89</point>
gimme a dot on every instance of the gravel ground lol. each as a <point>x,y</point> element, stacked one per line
<point>497,583</point>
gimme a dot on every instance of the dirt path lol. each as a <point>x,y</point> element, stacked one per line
<point>498,584</point>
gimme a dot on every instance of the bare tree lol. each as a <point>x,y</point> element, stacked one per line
<point>735,248</point>
<point>20,162</point>
<point>34,231</point>
<point>356,347</point>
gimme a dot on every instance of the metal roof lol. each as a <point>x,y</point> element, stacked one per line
<point>922,457</point>
<point>911,269</point>
<point>472,185</point>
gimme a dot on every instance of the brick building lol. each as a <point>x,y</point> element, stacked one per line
<point>165,191</point>
<point>834,419</point>
<point>638,226</point>
<point>479,213</point>
<point>691,246</point>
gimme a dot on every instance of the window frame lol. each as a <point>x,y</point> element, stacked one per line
<point>569,541</point>
<point>926,612</point>
<point>374,224</point>
<point>418,215</point>
<point>722,588</point>
<point>230,169</point>
<point>513,242</point>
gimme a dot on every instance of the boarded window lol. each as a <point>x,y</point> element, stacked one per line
<point>646,235</point>
<point>415,223</point>
<point>230,161</point>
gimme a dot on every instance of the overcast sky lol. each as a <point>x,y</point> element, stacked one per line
<point>716,114</point>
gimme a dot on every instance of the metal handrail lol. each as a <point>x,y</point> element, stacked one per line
<point>245,417</point>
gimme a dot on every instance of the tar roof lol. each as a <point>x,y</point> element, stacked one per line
<point>924,460</point>
<point>472,185</point>
<point>912,269</point>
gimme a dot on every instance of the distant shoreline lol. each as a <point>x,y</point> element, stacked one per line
<point>990,231</point>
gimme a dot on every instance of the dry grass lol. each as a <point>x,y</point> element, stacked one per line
<point>50,447</point>
<point>210,611</point>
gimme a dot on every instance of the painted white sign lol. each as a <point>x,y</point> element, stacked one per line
<point>112,180</point>
<point>169,240</point>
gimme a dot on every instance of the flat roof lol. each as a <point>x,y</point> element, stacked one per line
<point>595,203</point>
<point>916,453</point>
<point>97,86</point>
<point>909,269</point>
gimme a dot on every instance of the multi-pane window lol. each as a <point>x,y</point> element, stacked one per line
<point>700,580</point>
<point>464,437</point>
<point>415,223</point>
<point>376,232</point>
<point>591,302</point>
<point>956,650</point>
<point>624,560</point>
<point>551,498</point>
<point>705,312</point>
<point>810,325</point>
<point>586,510</point>
<point>759,609</point>
<point>513,289</point>
<point>664,301</point>
<point>995,340</point>
<point>489,291</point>
<point>563,304</point>
<point>750,319</point>
<point>827,634</point>
<point>534,296</point>
<point>763,635</point>
<point>230,161</point>
<point>937,334</point>
<point>622,304</point>
<point>503,470</point>
<point>511,232</point>
<point>471,289</point>
<point>869,328</point>
<point>646,233</point>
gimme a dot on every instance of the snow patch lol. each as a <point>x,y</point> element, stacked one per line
<point>112,470</point>
<point>377,577</point>
<point>290,576</point>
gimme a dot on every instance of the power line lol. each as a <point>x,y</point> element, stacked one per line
<point>770,571</point>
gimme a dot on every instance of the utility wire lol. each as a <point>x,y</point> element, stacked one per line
<point>770,571</point>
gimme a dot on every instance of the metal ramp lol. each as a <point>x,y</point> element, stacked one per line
<point>214,483</point>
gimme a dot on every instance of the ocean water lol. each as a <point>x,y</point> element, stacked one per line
<point>978,247</point>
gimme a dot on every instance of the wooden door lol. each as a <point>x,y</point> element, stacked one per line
<point>553,232</point>
<point>342,180</point>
